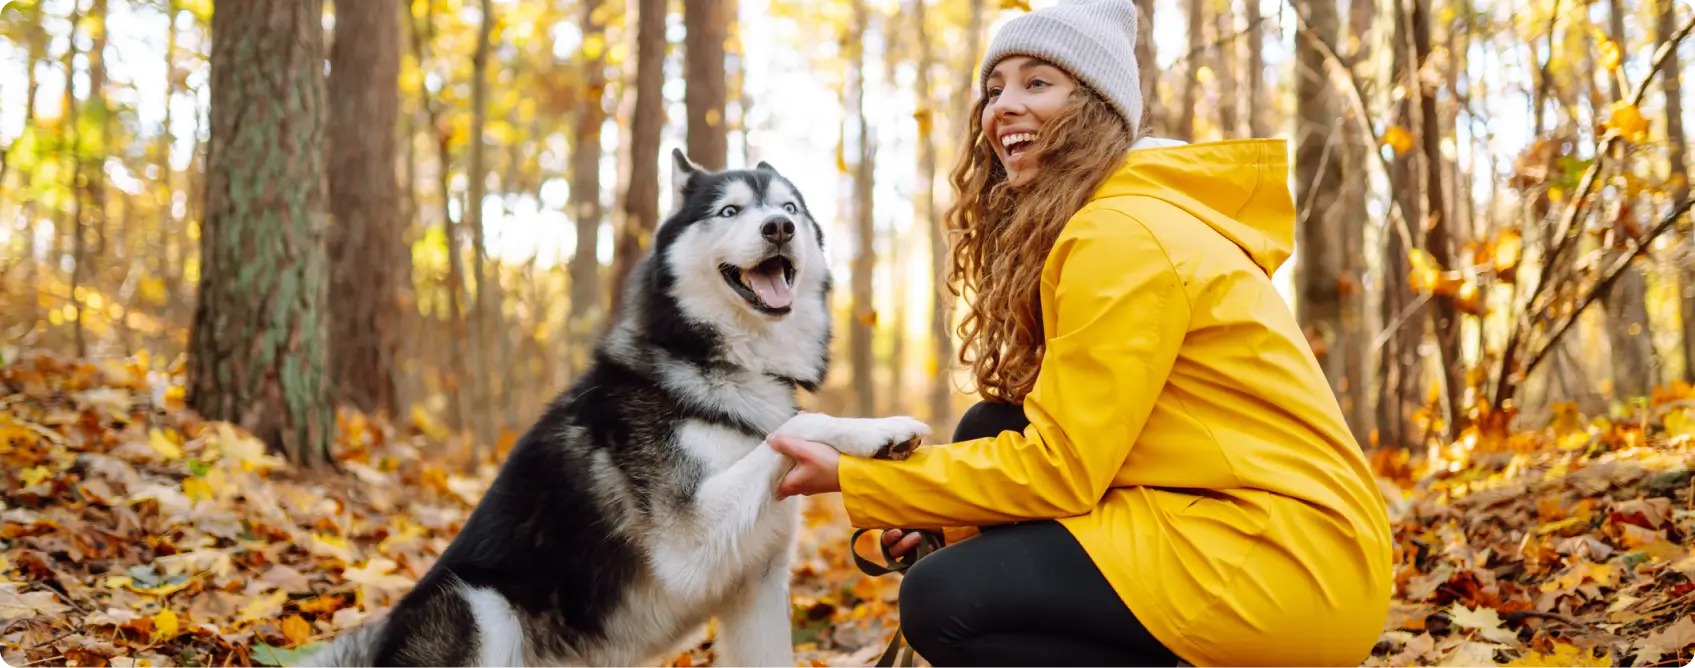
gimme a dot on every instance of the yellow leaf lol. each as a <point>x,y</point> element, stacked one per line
<point>164,626</point>
<point>196,489</point>
<point>1399,139</point>
<point>152,290</point>
<point>1565,655</point>
<point>593,46</point>
<point>1507,250</point>
<point>1609,55</point>
<point>34,476</point>
<point>1023,5</point>
<point>166,446</point>
<point>1627,121</point>
<point>1484,620</point>
<point>296,630</point>
<point>264,606</point>
<point>1425,275</point>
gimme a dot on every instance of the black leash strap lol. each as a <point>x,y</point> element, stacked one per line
<point>930,542</point>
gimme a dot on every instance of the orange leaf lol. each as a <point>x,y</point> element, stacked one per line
<point>296,630</point>
<point>1399,139</point>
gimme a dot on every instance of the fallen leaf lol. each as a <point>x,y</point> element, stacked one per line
<point>1564,655</point>
<point>1471,654</point>
<point>296,630</point>
<point>164,625</point>
<point>1672,638</point>
<point>168,448</point>
<point>265,606</point>
<point>1485,621</point>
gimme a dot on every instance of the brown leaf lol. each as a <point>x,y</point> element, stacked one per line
<point>296,630</point>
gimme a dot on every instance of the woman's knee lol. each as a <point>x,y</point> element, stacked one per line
<point>986,419</point>
<point>929,604</point>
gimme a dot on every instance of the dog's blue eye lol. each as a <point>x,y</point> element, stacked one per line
<point>728,211</point>
<point>791,208</point>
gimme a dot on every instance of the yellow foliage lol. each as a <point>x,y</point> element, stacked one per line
<point>1628,121</point>
<point>165,625</point>
<point>1610,55</point>
<point>296,630</point>
<point>1399,139</point>
<point>1565,655</point>
<point>165,445</point>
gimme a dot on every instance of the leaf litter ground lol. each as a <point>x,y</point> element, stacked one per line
<point>134,533</point>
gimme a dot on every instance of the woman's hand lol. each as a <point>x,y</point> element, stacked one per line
<point>815,470</point>
<point>893,539</point>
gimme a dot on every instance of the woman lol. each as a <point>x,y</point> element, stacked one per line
<point>1160,471</point>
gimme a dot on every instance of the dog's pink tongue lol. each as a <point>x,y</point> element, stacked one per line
<point>772,289</point>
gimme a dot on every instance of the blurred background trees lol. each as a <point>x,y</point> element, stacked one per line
<point>426,208</point>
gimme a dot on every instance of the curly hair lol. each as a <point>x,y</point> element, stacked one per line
<point>1002,235</point>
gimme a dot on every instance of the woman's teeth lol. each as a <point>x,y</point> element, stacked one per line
<point>1017,138</point>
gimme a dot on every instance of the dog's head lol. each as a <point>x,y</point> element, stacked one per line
<point>741,246</point>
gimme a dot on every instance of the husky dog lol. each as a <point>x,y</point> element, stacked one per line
<point>643,501</point>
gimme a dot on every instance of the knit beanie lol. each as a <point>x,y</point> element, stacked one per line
<point>1092,40</point>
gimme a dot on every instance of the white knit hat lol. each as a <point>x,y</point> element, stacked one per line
<point>1093,40</point>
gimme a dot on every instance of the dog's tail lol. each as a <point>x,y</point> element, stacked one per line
<point>356,647</point>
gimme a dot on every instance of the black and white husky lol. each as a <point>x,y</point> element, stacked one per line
<point>642,502</point>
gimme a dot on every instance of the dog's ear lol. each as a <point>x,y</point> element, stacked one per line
<point>682,171</point>
<point>765,167</point>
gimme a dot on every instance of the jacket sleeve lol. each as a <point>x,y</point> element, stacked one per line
<point>1121,314</point>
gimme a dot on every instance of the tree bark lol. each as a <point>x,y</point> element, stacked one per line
<point>366,244</point>
<point>1628,326</point>
<point>1147,62</point>
<point>1401,316</point>
<point>941,351</point>
<point>641,201</point>
<point>1225,63</point>
<point>584,319</point>
<point>1355,338</point>
<point>1438,241</point>
<point>1185,129</point>
<point>1319,161</point>
<point>1256,71</point>
<point>77,188</point>
<point>257,350</point>
<point>707,25</point>
<point>1665,25</point>
<point>865,233</point>
<point>94,170</point>
<point>485,308</point>
<point>457,383</point>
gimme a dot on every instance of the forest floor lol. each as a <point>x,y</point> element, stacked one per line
<point>135,533</point>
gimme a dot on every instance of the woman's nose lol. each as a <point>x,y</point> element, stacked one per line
<point>1009,103</point>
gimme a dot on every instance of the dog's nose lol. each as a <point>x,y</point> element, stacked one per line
<point>778,229</point>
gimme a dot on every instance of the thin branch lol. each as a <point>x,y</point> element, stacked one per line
<point>1564,236</point>
<point>1605,284</point>
<point>1399,322</point>
<point>1221,41</point>
<point>1356,99</point>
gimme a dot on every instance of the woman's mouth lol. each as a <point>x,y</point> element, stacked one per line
<point>1016,143</point>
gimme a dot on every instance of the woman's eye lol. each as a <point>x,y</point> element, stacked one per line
<point>994,92</point>
<point>1038,84</point>
<point>728,211</point>
<point>791,208</point>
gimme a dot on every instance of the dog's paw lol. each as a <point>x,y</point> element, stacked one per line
<point>866,438</point>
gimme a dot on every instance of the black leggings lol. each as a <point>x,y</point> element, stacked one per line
<point>1022,594</point>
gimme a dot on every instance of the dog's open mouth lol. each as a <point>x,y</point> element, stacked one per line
<point>768,286</point>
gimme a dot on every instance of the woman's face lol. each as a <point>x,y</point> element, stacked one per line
<point>1022,94</point>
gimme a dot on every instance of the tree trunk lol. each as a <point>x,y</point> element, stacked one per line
<point>865,233</point>
<point>1401,367</point>
<point>1628,327</point>
<point>641,201</point>
<point>1147,63</point>
<point>707,25</point>
<point>79,235</point>
<point>1319,179</point>
<point>366,243</point>
<point>1185,129</point>
<point>1665,25</point>
<point>1256,71</point>
<point>941,352</point>
<point>1225,63</point>
<point>484,308</point>
<point>457,383</point>
<point>1437,239</point>
<point>1355,338</point>
<point>257,350</point>
<point>94,169</point>
<point>584,319</point>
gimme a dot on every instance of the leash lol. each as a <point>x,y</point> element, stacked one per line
<point>929,542</point>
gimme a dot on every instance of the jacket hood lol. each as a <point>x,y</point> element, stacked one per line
<point>1239,188</point>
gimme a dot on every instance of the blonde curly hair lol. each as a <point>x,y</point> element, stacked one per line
<point>1002,235</point>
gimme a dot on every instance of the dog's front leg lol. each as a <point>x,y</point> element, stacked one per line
<point>754,629</point>
<point>734,526</point>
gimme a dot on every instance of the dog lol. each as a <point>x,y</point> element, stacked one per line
<point>642,502</point>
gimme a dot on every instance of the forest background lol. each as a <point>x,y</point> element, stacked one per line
<point>246,395</point>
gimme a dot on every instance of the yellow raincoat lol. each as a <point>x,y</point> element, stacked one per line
<point>1181,428</point>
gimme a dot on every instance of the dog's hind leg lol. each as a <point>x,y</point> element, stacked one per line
<point>754,627</point>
